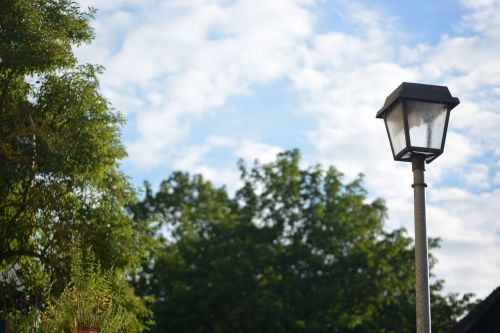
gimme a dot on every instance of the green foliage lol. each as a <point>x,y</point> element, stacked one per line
<point>24,322</point>
<point>295,250</point>
<point>38,35</point>
<point>59,152</point>
<point>89,300</point>
<point>447,310</point>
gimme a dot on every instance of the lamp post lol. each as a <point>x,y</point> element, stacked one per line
<point>416,119</point>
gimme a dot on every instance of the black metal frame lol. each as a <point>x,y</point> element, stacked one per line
<point>423,93</point>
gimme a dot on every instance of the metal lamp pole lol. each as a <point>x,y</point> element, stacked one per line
<point>421,252</point>
<point>416,119</point>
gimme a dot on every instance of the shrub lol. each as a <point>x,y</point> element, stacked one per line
<point>87,301</point>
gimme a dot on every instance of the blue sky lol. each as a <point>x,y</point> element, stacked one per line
<point>204,83</point>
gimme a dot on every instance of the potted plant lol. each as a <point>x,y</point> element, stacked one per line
<point>86,305</point>
<point>86,330</point>
<point>91,298</point>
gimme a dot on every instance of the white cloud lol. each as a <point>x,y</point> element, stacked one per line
<point>172,63</point>
<point>180,60</point>
<point>460,150</point>
<point>469,228</point>
<point>477,175</point>
<point>497,177</point>
<point>344,86</point>
<point>483,18</point>
<point>250,150</point>
<point>111,4</point>
<point>196,158</point>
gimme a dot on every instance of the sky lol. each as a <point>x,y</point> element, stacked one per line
<point>204,83</point>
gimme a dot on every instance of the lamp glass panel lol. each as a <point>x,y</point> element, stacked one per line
<point>395,127</point>
<point>426,122</point>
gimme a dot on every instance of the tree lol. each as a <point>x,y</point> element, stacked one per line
<point>59,152</point>
<point>295,250</point>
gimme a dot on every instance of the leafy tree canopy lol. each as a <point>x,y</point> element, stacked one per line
<point>295,250</point>
<point>59,152</point>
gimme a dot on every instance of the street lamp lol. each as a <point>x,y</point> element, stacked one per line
<point>416,119</point>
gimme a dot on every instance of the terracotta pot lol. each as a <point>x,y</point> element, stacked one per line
<point>86,330</point>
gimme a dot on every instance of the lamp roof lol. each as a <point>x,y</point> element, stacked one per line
<point>420,92</point>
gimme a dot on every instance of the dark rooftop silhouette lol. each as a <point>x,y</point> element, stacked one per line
<point>483,318</point>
